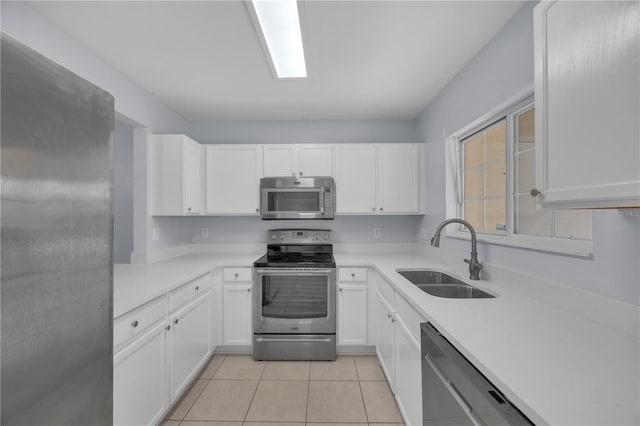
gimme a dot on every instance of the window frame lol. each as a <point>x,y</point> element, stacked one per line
<point>454,185</point>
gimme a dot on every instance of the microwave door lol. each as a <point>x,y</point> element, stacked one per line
<point>298,203</point>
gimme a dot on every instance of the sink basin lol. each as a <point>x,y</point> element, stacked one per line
<point>440,284</point>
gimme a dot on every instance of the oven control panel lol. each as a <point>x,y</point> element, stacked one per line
<point>300,236</point>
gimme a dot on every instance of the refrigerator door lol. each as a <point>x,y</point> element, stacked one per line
<point>56,276</point>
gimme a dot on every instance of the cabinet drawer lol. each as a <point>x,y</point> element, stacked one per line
<point>134,323</point>
<point>352,274</point>
<point>237,274</point>
<point>409,315</point>
<point>189,291</point>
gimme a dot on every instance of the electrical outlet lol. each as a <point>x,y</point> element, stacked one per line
<point>377,232</point>
<point>156,234</point>
<point>205,232</point>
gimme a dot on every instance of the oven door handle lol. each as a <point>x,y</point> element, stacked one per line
<point>291,271</point>
<point>282,340</point>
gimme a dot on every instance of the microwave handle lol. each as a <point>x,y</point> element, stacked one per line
<point>322,190</point>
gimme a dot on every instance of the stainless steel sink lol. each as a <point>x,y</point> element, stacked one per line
<point>440,284</point>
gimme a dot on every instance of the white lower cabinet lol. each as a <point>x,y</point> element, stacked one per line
<point>398,349</point>
<point>152,367</point>
<point>352,314</point>
<point>189,343</point>
<point>385,338</point>
<point>140,385</point>
<point>236,311</point>
<point>408,377</point>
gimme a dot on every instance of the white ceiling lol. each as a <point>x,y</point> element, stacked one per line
<point>365,59</point>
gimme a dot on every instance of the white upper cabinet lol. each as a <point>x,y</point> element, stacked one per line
<point>233,179</point>
<point>587,86</point>
<point>297,160</point>
<point>280,160</point>
<point>398,178</point>
<point>378,178</point>
<point>315,160</point>
<point>177,176</point>
<point>355,178</point>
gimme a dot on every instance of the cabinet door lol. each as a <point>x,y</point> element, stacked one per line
<point>140,380</point>
<point>408,379</point>
<point>314,160</point>
<point>355,177</point>
<point>167,159</point>
<point>587,64</point>
<point>190,343</point>
<point>233,179</point>
<point>236,308</point>
<point>352,314</point>
<point>398,178</point>
<point>280,160</point>
<point>193,177</point>
<point>385,338</point>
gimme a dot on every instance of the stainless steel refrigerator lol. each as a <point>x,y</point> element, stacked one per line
<point>56,276</point>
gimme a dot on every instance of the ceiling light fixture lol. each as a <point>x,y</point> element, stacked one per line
<point>280,25</point>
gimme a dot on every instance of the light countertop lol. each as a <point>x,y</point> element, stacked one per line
<point>563,356</point>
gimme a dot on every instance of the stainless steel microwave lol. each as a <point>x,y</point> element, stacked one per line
<point>290,197</point>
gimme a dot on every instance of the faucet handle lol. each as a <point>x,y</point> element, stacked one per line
<point>476,263</point>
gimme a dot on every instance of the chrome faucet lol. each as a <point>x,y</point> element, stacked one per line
<point>474,265</point>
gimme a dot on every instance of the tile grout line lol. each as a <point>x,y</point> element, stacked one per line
<point>364,405</point>
<point>306,411</point>
<point>186,413</point>
<point>254,392</point>
<point>200,393</point>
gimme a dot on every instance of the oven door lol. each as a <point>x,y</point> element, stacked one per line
<point>295,301</point>
<point>293,203</point>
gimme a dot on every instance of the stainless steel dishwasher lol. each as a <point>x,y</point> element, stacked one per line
<point>454,392</point>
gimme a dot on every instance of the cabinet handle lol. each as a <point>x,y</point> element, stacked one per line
<point>168,327</point>
<point>373,209</point>
<point>235,275</point>
<point>388,315</point>
<point>381,209</point>
<point>257,210</point>
<point>249,290</point>
<point>175,321</point>
<point>534,192</point>
<point>393,320</point>
<point>189,209</point>
<point>353,275</point>
<point>197,288</point>
<point>341,290</point>
<point>135,324</point>
<point>300,172</point>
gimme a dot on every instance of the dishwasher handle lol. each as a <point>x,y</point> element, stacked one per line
<point>455,392</point>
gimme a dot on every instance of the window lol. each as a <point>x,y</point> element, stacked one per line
<point>485,181</point>
<point>494,161</point>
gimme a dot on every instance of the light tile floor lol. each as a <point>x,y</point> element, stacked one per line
<point>235,390</point>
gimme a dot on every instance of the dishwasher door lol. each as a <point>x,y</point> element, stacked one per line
<point>454,392</point>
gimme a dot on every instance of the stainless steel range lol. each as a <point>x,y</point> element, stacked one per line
<point>295,301</point>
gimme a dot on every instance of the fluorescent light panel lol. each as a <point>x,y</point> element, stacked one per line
<point>280,26</point>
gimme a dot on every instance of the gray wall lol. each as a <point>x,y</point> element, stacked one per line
<point>305,131</point>
<point>500,71</point>
<point>347,229</point>
<point>122,192</point>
